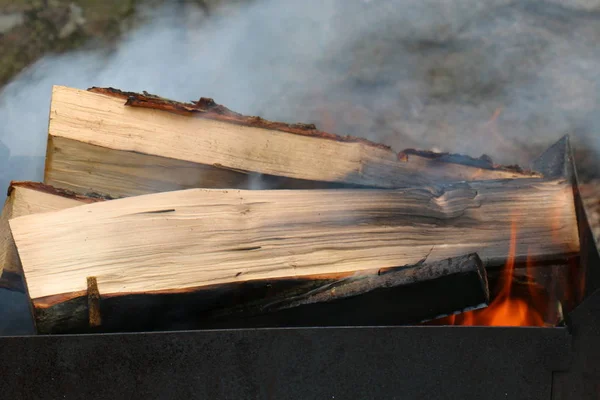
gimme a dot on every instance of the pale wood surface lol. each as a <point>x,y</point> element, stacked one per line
<point>176,145</point>
<point>196,237</point>
<point>22,201</point>
<point>84,168</point>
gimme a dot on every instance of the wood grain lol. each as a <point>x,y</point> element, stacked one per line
<point>164,149</point>
<point>401,295</point>
<point>27,198</point>
<point>197,237</point>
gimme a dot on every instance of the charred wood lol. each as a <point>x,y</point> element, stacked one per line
<point>396,296</point>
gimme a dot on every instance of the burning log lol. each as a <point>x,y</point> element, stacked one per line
<point>26,198</point>
<point>187,240</point>
<point>533,293</point>
<point>394,296</point>
<point>125,144</point>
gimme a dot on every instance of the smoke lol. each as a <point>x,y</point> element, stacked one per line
<point>465,76</point>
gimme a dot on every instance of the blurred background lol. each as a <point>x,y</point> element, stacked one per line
<point>498,77</point>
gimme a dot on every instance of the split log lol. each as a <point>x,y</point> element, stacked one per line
<point>26,198</point>
<point>402,295</point>
<point>185,240</point>
<point>125,144</point>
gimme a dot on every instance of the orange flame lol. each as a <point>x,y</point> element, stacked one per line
<point>507,308</point>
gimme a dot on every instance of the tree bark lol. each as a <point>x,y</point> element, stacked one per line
<point>124,144</point>
<point>402,295</point>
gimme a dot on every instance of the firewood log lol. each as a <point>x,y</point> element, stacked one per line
<point>394,296</point>
<point>26,198</point>
<point>125,144</point>
<point>185,240</point>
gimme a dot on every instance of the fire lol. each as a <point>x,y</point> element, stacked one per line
<point>508,308</point>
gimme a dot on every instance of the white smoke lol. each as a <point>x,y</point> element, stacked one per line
<point>465,76</point>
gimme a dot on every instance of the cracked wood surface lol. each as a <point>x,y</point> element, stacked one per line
<point>98,143</point>
<point>192,238</point>
<point>26,198</point>
<point>394,296</point>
